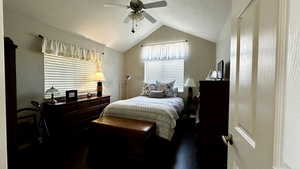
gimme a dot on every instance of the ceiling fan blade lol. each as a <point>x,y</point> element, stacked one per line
<point>155,4</point>
<point>149,17</point>
<point>127,19</point>
<point>109,5</point>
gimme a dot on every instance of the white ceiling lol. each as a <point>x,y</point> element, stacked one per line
<point>202,18</point>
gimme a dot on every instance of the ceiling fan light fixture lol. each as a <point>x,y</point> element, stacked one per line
<point>138,12</point>
<point>136,16</point>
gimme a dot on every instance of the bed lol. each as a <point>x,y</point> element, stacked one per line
<point>163,111</point>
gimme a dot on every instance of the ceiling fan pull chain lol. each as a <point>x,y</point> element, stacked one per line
<point>133,29</point>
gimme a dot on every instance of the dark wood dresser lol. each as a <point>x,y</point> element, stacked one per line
<point>213,116</point>
<point>73,118</point>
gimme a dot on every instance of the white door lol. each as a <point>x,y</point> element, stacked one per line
<point>252,81</point>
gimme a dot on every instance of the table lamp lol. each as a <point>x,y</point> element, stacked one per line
<point>52,91</point>
<point>99,77</point>
<point>190,83</point>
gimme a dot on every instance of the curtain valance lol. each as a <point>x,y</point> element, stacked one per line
<point>59,48</point>
<point>170,51</point>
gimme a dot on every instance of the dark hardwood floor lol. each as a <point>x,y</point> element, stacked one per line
<point>77,155</point>
<point>186,155</point>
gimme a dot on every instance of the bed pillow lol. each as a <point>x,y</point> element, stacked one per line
<point>167,88</point>
<point>157,94</point>
<point>147,88</point>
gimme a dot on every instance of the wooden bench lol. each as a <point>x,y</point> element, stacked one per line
<point>135,136</point>
<point>126,127</point>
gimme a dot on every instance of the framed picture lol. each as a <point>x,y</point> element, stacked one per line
<point>220,72</point>
<point>71,95</point>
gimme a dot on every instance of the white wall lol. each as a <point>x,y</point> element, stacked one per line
<point>3,148</point>
<point>113,68</point>
<point>223,43</point>
<point>201,59</point>
<point>30,69</point>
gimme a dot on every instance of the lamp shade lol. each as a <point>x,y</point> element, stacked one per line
<point>52,90</point>
<point>190,83</point>
<point>99,76</point>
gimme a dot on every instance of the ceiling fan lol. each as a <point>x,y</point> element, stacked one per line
<point>138,12</point>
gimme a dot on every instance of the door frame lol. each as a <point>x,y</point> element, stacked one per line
<point>3,139</point>
<point>281,61</point>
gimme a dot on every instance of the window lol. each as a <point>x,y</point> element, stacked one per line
<point>66,73</point>
<point>165,71</point>
<point>165,62</point>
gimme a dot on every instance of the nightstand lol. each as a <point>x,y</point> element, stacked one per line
<point>192,106</point>
<point>191,109</point>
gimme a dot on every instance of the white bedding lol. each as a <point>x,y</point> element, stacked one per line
<point>163,111</point>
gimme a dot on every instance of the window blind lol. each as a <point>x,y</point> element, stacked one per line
<point>66,73</point>
<point>165,71</point>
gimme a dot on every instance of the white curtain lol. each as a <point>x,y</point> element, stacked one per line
<point>171,51</point>
<point>59,48</point>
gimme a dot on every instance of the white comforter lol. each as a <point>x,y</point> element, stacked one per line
<point>163,111</point>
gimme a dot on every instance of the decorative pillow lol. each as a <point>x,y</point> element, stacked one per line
<point>168,88</point>
<point>147,88</point>
<point>157,94</point>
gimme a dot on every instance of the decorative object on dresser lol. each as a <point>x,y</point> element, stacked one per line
<point>212,75</point>
<point>11,101</point>
<point>72,118</point>
<point>213,116</point>
<point>71,95</point>
<point>99,77</point>
<point>52,91</point>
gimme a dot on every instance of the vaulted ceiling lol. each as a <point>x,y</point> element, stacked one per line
<point>89,18</point>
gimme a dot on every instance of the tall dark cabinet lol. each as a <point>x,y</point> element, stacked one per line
<point>213,116</point>
<point>11,100</point>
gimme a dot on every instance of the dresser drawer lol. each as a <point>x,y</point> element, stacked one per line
<point>83,113</point>
<point>90,103</point>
